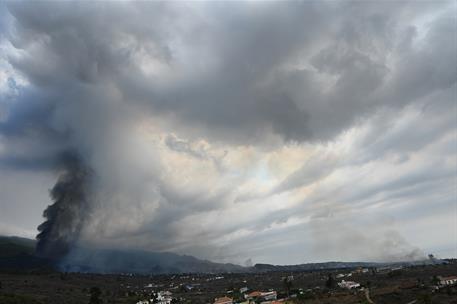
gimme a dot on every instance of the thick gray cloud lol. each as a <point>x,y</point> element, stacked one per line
<point>208,123</point>
<point>256,72</point>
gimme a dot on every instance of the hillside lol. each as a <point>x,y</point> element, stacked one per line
<point>18,254</point>
<point>12,246</point>
<point>143,262</point>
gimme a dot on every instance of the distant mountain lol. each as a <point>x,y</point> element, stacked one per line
<point>143,262</point>
<point>13,246</point>
<point>313,266</point>
<point>17,254</point>
<point>340,265</point>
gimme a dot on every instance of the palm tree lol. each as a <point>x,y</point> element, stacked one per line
<point>287,281</point>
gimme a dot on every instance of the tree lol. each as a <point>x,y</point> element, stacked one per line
<point>435,280</point>
<point>330,283</point>
<point>95,294</point>
<point>287,281</point>
<point>425,298</point>
<point>154,298</point>
<point>63,276</point>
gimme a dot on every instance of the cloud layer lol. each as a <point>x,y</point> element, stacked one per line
<point>237,130</point>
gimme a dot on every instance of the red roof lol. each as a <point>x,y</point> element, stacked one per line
<point>255,294</point>
<point>223,300</point>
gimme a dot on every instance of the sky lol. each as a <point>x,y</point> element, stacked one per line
<point>276,132</point>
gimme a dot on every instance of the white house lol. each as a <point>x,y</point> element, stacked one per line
<point>269,295</point>
<point>446,281</point>
<point>164,297</point>
<point>348,284</point>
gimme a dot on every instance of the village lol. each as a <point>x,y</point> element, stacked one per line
<point>360,285</point>
<point>413,284</point>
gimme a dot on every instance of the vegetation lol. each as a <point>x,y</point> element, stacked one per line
<point>287,281</point>
<point>330,283</point>
<point>18,299</point>
<point>13,246</point>
<point>95,294</point>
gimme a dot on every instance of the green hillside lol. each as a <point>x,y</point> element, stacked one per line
<point>14,246</point>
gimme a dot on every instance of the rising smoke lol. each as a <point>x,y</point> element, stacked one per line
<point>65,217</point>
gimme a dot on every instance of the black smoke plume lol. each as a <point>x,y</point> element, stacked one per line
<point>65,218</point>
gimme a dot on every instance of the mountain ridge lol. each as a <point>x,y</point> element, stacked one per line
<point>18,254</point>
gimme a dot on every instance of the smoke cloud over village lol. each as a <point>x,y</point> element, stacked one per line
<point>231,130</point>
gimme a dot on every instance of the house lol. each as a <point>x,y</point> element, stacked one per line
<point>165,301</point>
<point>189,287</point>
<point>164,297</point>
<point>223,300</point>
<point>348,284</point>
<point>252,295</point>
<point>447,281</point>
<point>269,295</point>
<point>261,295</point>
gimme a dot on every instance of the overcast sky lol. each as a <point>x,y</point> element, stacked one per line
<point>281,132</point>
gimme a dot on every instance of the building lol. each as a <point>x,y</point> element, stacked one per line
<point>223,300</point>
<point>252,295</point>
<point>348,284</point>
<point>164,297</point>
<point>268,295</point>
<point>261,295</point>
<point>447,281</point>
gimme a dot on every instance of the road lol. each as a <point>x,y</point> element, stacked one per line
<point>367,296</point>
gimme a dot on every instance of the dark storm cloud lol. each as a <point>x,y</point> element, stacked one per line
<point>233,74</point>
<point>256,82</point>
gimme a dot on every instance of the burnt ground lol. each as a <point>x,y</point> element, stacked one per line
<point>400,286</point>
